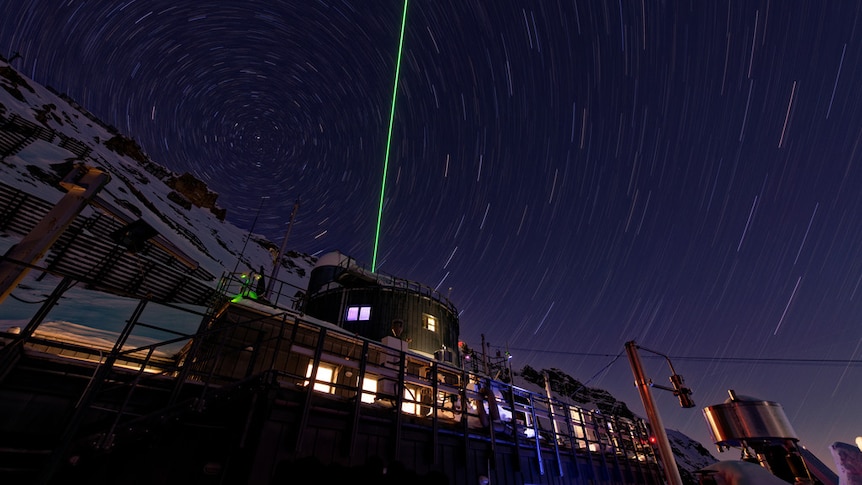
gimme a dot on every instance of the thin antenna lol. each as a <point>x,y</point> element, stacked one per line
<point>389,140</point>
<point>248,236</point>
<point>277,265</point>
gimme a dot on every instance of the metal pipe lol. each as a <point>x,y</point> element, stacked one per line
<point>357,405</point>
<point>553,421</point>
<point>435,420</point>
<point>665,452</point>
<point>12,352</point>
<point>309,391</point>
<point>536,435</point>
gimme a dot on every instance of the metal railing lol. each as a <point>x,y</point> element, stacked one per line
<point>328,363</point>
<point>235,342</point>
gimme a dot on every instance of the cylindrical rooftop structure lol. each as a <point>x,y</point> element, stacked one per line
<point>743,419</point>
<point>375,305</point>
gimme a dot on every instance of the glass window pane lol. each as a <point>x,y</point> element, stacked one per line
<point>352,314</point>
<point>370,386</point>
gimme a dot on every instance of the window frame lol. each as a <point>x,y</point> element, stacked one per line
<point>430,322</point>
<point>363,313</point>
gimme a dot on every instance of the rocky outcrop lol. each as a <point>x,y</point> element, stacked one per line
<point>689,455</point>
<point>126,146</point>
<point>178,199</point>
<point>566,385</point>
<point>11,81</point>
<point>197,192</point>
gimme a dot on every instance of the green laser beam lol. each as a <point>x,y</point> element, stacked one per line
<point>389,140</point>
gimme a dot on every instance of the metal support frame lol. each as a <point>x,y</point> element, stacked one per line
<point>214,313</point>
<point>553,421</point>
<point>12,352</point>
<point>435,421</point>
<point>108,438</point>
<point>517,448</point>
<point>492,460</point>
<point>89,395</point>
<point>465,409</point>
<point>309,391</point>
<point>357,405</point>
<point>556,433</point>
<point>536,436</point>
<point>278,342</point>
<point>399,400</point>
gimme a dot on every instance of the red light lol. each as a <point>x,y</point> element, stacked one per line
<point>652,440</point>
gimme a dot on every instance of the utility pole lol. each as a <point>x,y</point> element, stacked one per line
<point>248,236</point>
<point>671,472</point>
<point>277,265</point>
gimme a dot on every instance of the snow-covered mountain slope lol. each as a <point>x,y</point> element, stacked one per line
<point>44,134</point>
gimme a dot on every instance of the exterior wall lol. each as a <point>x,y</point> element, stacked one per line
<point>315,427</point>
<point>277,399</point>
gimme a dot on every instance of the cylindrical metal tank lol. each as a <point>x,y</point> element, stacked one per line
<point>746,419</point>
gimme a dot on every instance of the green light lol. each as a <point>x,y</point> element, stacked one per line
<point>389,140</point>
<point>245,290</point>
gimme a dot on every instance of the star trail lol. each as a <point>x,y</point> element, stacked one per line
<point>574,174</point>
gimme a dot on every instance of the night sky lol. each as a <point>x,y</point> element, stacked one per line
<point>575,174</point>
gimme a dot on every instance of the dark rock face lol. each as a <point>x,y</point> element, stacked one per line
<point>128,147</point>
<point>13,81</point>
<point>178,199</point>
<point>196,192</point>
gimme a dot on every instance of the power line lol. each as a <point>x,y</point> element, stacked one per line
<point>734,360</point>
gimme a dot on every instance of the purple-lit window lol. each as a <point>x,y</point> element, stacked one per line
<point>355,313</point>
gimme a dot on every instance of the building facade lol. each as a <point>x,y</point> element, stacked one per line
<point>375,306</point>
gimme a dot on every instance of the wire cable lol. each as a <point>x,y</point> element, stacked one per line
<point>694,358</point>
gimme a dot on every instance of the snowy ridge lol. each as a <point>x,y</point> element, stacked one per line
<point>45,134</point>
<point>42,137</point>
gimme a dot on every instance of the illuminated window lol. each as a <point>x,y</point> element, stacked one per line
<point>325,374</point>
<point>369,386</point>
<point>357,312</point>
<point>429,322</point>
<point>410,405</point>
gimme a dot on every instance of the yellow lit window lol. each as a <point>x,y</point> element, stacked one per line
<point>429,322</point>
<point>325,374</point>
<point>369,386</point>
<point>410,403</point>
